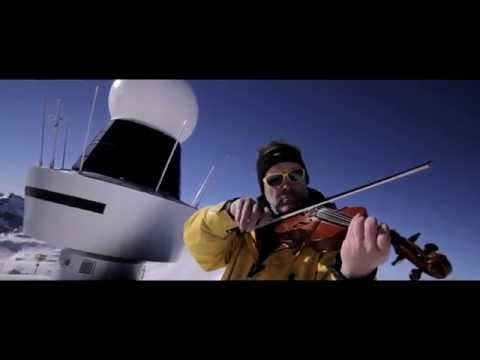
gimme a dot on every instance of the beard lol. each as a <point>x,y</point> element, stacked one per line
<point>290,201</point>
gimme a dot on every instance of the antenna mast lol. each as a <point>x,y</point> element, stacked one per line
<point>56,125</point>
<point>171,156</point>
<point>92,110</point>
<point>65,145</point>
<point>202,189</point>
<point>40,164</point>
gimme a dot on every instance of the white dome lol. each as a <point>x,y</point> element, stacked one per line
<point>161,104</point>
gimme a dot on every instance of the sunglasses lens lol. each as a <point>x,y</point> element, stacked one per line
<point>293,176</point>
<point>274,180</point>
<point>296,175</point>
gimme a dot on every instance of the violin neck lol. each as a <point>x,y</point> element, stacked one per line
<point>333,216</point>
<point>340,219</point>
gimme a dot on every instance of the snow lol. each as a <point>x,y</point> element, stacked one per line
<point>21,255</point>
<point>15,242</point>
<point>185,268</point>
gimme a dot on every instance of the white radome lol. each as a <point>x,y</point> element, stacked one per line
<point>162,104</point>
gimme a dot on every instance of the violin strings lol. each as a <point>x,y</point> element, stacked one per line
<point>346,217</point>
<point>340,217</point>
<point>334,216</point>
<point>338,214</point>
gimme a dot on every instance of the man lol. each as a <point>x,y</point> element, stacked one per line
<point>258,255</point>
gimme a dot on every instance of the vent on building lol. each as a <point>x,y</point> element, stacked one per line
<point>87,267</point>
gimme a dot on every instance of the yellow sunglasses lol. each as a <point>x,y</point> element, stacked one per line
<point>278,179</point>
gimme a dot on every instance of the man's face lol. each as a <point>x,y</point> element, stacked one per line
<point>291,194</point>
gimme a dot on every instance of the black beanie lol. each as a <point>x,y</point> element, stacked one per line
<point>275,154</point>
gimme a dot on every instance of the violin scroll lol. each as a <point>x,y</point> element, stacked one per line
<point>427,260</point>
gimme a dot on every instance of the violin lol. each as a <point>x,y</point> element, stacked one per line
<point>325,229</point>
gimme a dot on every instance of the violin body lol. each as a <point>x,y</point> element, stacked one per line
<point>319,233</point>
<point>326,231</point>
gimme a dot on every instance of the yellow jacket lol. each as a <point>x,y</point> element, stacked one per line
<point>206,238</point>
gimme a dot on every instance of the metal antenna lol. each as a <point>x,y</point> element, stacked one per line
<point>40,164</point>
<point>202,189</point>
<point>92,110</point>
<point>56,125</point>
<point>171,155</point>
<point>65,145</point>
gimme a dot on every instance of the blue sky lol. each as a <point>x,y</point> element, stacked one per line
<point>350,132</point>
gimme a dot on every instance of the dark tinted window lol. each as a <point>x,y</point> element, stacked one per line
<point>136,154</point>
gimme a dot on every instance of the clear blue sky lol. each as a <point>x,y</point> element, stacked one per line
<point>351,132</point>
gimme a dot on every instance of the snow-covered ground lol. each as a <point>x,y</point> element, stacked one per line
<point>185,268</point>
<point>22,255</point>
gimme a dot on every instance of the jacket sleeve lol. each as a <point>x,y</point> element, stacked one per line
<point>337,274</point>
<point>206,238</point>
